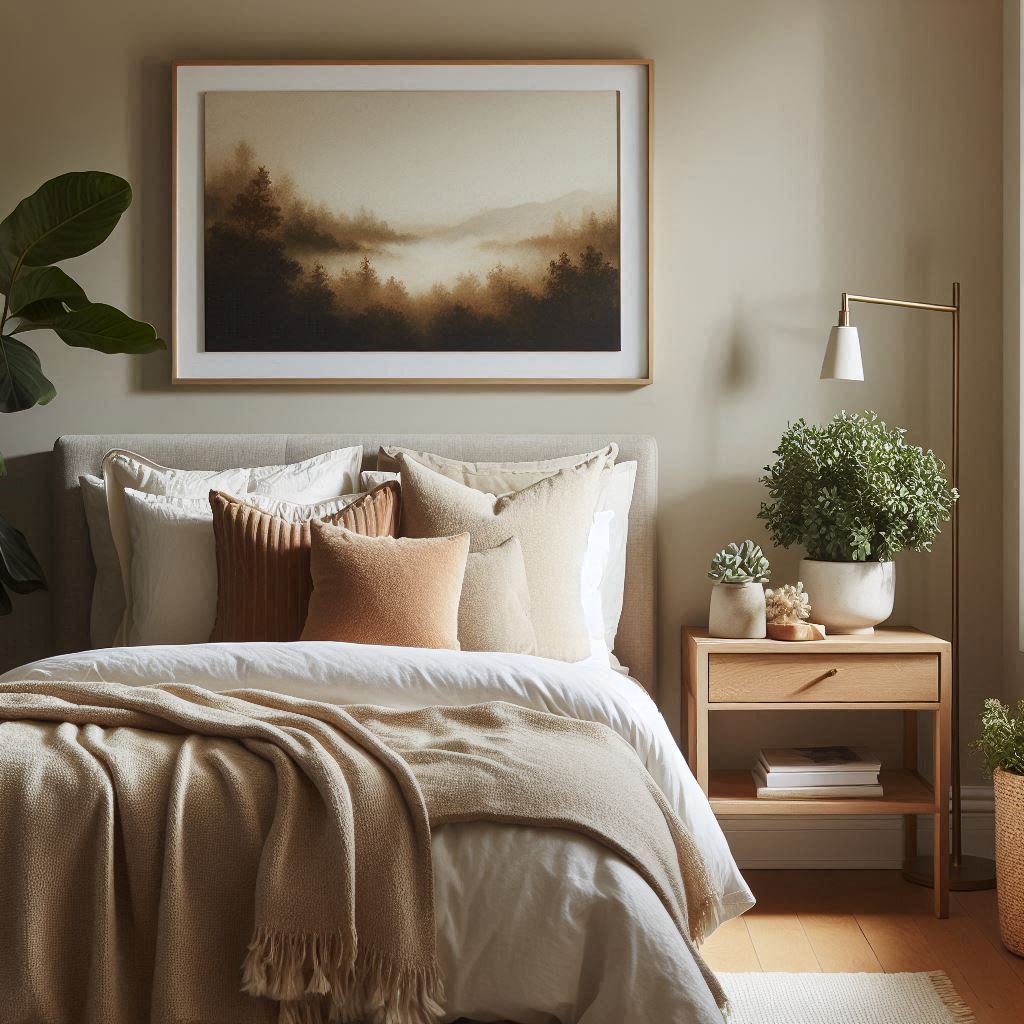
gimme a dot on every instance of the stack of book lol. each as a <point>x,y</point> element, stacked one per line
<point>785,773</point>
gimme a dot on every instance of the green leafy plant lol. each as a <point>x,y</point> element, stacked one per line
<point>853,490</point>
<point>740,563</point>
<point>66,217</point>
<point>1002,737</point>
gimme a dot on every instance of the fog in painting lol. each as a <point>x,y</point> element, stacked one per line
<point>411,221</point>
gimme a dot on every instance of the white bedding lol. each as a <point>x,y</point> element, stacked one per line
<point>533,925</point>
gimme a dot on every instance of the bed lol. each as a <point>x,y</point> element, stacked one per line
<point>533,924</point>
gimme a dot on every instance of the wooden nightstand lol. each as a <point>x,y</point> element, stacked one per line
<point>892,669</point>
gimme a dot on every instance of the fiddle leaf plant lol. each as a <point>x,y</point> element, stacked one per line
<point>65,217</point>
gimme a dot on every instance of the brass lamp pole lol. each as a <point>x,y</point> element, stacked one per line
<point>843,362</point>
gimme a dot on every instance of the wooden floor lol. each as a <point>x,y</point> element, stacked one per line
<point>839,921</point>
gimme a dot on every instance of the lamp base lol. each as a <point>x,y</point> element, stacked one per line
<point>970,875</point>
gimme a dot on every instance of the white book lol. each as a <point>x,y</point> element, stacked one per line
<point>766,792</point>
<point>795,780</point>
<point>818,759</point>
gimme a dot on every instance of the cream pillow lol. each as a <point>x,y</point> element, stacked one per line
<point>494,610</point>
<point>493,477</point>
<point>172,575</point>
<point>320,477</point>
<point>552,520</point>
<point>172,571</point>
<point>616,496</point>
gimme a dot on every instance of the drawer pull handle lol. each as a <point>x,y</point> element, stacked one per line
<point>819,679</point>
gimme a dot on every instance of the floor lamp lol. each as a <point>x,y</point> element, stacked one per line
<point>843,362</point>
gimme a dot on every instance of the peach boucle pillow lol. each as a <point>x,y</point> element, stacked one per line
<point>263,581</point>
<point>379,590</point>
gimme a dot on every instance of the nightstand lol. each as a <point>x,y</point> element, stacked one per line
<point>892,669</point>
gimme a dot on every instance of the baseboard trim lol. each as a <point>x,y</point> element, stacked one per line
<point>875,841</point>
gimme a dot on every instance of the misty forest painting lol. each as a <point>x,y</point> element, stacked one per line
<point>411,221</point>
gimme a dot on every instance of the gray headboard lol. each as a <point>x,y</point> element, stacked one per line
<point>78,455</point>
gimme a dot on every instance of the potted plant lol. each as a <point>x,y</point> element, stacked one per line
<point>1002,747</point>
<point>854,494</point>
<point>737,598</point>
<point>65,217</point>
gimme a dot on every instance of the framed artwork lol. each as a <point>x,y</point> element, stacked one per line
<point>470,221</point>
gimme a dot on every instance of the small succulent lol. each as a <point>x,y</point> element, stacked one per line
<point>740,563</point>
<point>787,604</point>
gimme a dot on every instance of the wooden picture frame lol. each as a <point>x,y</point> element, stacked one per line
<point>211,98</point>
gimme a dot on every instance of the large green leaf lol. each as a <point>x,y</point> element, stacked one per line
<point>22,383</point>
<point>99,326</point>
<point>66,216</point>
<point>20,571</point>
<point>38,293</point>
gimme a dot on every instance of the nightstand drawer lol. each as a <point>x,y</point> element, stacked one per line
<point>856,678</point>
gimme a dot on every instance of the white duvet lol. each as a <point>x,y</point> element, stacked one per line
<point>533,924</point>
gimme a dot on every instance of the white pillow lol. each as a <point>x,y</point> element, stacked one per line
<point>595,566</point>
<point>172,576</point>
<point>616,497</point>
<point>370,478</point>
<point>314,479</point>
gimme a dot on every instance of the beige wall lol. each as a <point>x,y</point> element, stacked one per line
<point>801,147</point>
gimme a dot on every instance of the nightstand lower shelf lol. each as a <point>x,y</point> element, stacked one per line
<point>903,792</point>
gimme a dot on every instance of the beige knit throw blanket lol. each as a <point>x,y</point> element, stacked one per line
<point>169,853</point>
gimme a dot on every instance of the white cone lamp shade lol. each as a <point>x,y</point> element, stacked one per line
<point>842,357</point>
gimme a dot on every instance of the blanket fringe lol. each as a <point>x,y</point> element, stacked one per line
<point>958,1009</point>
<point>318,980</point>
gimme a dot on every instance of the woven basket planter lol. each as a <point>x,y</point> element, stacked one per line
<point>1009,789</point>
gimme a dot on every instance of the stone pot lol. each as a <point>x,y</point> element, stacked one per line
<point>1009,791</point>
<point>849,597</point>
<point>737,611</point>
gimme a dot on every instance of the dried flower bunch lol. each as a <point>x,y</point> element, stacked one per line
<point>787,605</point>
<point>740,563</point>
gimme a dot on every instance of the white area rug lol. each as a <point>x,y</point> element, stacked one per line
<point>844,999</point>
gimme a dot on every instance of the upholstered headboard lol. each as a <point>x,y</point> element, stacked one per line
<point>78,455</point>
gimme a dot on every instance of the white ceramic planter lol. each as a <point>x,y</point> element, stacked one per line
<point>849,597</point>
<point>737,611</point>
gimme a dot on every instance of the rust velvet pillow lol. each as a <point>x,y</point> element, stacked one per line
<point>379,590</point>
<point>263,579</point>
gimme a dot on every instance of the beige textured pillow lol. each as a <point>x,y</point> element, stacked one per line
<point>263,580</point>
<point>493,477</point>
<point>552,520</point>
<point>381,590</point>
<point>494,611</point>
